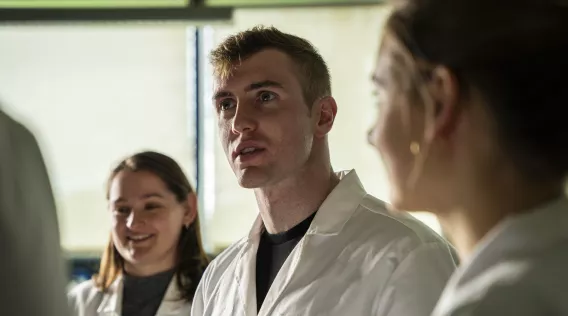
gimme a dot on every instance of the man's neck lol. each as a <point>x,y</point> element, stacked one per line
<point>288,203</point>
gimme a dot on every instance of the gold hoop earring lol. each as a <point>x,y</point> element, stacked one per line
<point>415,148</point>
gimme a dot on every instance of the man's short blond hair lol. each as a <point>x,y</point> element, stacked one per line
<point>313,72</point>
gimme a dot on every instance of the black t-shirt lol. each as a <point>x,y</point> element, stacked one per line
<point>142,296</point>
<point>273,250</point>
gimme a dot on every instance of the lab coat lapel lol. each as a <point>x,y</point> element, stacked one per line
<point>245,272</point>
<point>172,302</point>
<point>282,279</point>
<point>332,216</point>
<point>111,303</point>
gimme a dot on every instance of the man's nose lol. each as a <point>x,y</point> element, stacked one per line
<point>244,120</point>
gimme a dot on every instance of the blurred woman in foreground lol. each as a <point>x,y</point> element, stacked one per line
<point>472,127</point>
<point>154,259</point>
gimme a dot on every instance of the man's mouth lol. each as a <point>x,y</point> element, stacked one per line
<point>250,150</point>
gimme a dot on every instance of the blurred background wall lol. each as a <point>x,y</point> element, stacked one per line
<point>92,95</point>
<point>96,93</point>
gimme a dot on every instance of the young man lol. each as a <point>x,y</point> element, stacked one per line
<point>321,245</point>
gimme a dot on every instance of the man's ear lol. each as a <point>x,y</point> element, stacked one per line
<point>443,113</point>
<point>190,209</point>
<point>323,112</point>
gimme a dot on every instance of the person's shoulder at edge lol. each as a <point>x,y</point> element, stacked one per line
<point>518,286</point>
<point>521,299</point>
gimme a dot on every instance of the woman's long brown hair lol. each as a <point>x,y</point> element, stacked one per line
<point>191,258</point>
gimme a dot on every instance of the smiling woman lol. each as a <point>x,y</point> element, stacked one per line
<point>154,259</point>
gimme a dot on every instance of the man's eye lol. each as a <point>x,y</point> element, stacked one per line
<point>266,96</point>
<point>226,104</point>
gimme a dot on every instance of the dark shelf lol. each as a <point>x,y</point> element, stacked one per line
<point>185,14</point>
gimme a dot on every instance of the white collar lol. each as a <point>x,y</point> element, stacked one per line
<point>521,234</point>
<point>518,234</point>
<point>335,210</point>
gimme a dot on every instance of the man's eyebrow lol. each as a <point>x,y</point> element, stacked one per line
<point>221,94</point>
<point>251,87</point>
<point>263,84</point>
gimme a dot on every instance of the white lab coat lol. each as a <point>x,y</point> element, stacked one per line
<point>87,300</point>
<point>31,266</point>
<point>521,269</point>
<point>355,259</point>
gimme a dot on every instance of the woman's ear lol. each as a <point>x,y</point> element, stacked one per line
<point>444,111</point>
<point>323,112</point>
<point>190,209</point>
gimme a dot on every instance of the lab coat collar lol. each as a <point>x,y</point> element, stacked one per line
<point>332,215</point>
<point>111,303</point>
<point>339,205</point>
<point>112,299</point>
<point>523,233</point>
<point>172,301</point>
<point>335,210</point>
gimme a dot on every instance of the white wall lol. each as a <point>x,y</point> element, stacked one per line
<point>93,94</point>
<point>347,38</point>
